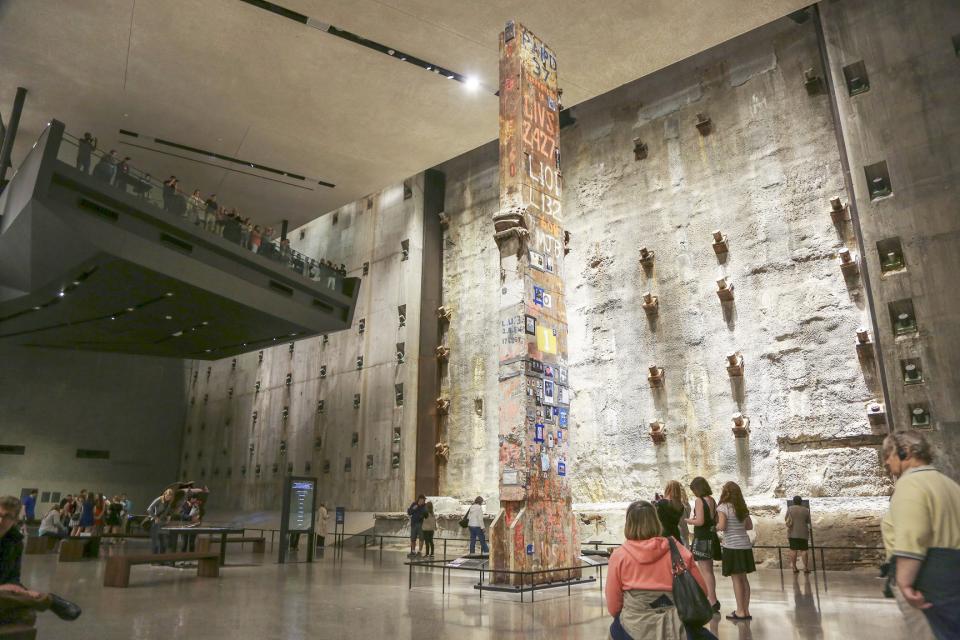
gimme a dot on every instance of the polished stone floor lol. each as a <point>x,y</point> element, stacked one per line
<point>357,597</point>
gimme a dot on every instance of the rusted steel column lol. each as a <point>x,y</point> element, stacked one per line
<point>535,529</point>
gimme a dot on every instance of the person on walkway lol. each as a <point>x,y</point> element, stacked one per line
<point>321,525</point>
<point>99,512</point>
<point>122,175</point>
<point>706,545</point>
<point>114,516</point>
<point>475,523</point>
<point>18,605</point>
<point>639,585</point>
<point>50,526</point>
<point>30,506</point>
<point>211,207</point>
<point>733,519</point>
<point>670,509</point>
<point>169,193</point>
<point>106,167</point>
<point>798,533</point>
<point>429,526</point>
<point>921,536</point>
<point>416,511</point>
<point>189,513</point>
<point>85,149</point>
<point>160,512</point>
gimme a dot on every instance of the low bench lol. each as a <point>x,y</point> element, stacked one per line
<point>17,632</point>
<point>76,548</point>
<point>39,545</point>
<point>259,544</point>
<point>117,573</point>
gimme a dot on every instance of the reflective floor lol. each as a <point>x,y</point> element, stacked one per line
<point>357,597</point>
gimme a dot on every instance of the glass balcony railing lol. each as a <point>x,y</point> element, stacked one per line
<point>207,214</point>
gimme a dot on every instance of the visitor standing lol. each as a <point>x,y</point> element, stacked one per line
<point>114,516</point>
<point>639,587</point>
<point>99,511</point>
<point>321,524</point>
<point>733,519</point>
<point>86,512</point>
<point>416,511</point>
<point>706,544</point>
<point>122,174</point>
<point>798,533</point>
<point>211,206</point>
<point>169,193</point>
<point>429,527</point>
<point>160,512</point>
<point>85,149</point>
<point>30,506</point>
<point>921,535</point>
<point>670,509</point>
<point>475,523</point>
<point>17,603</point>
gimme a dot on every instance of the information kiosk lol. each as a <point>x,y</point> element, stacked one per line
<point>299,512</point>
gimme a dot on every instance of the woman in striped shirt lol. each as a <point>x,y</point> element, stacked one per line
<point>733,519</point>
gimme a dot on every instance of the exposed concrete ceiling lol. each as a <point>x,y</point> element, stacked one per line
<point>228,77</point>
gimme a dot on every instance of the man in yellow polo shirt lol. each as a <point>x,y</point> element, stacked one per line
<point>921,534</point>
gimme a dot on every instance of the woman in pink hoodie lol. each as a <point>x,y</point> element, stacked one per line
<point>639,585</point>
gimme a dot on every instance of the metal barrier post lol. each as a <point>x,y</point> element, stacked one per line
<point>410,583</point>
<point>823,563</point>
<point>780,558</point>
<point>444,548</point>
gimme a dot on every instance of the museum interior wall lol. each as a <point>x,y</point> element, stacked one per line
<point>707,185</point>
<point>341,407</point>
<point>97,421</point>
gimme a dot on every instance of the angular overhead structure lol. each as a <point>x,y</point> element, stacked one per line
<point>535,529</point>
<point>85,265</point>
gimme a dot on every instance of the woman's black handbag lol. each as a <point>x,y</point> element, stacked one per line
<point>692,605</point>
<point>464,521</point>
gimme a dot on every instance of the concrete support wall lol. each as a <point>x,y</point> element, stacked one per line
<point>763,175</point>
<point>55,402</point>
<point>222,444</point>
<point>908,119</point>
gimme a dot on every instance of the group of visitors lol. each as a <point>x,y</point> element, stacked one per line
<point>423,525</point>
<point>206,213</point>
<point>639,585</point>
<point>87,513</point>
<point>181,505</point>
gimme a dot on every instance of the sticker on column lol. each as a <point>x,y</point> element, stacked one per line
<point>529,549</point>
<point>559,437</point>
<point>561,375</point>
<point>548,371</point>
<point>547,300</point>
<point>536,260</point>
<point>548,263</point>
<point>561,467</point>
<point>531,325</point>
<point>546,339</point>
<point>538,295</point>
<point>548,391</point>
<point>562,417</point>
<point>550,440</point>
<point>538,433</point>
<point>544,462</point>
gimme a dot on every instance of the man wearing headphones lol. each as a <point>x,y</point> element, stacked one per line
<point>921,534</point>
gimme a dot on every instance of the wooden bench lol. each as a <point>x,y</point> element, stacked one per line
<point>76,548</point>
<point>17,632</point>
<point>117,573</point>
<point>40,545</point>
<point>259,544</point>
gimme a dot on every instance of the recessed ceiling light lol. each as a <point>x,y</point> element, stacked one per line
<point>473,83</point>
<point>177,334</point>
<point>113,317</point>
<point>169,294</point>
<point>61,294</point>
<point>429,67</point>
<point>36,308</point>
<point>168,317</point>
<point>129,308</point>
<point>391,51</point>
<point>449,77</point>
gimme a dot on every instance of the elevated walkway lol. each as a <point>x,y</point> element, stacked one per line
<point>84,265</point>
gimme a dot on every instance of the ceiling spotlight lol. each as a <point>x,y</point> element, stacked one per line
<point>168,317</point>
<point>113,317</point>
<point>207,350</point>
<point>76,282</point>
<point>391,51</point>
<point>450,77</point>
<point>169,294</point>
<point>177,334</point>
<point>129,308</point>
<point>403,58</point>
<point>36,308</point>
<point>472,82</point>
<point>429,67</point>
<point>61,294</point>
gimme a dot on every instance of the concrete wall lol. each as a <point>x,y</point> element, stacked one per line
<point>909,119</point>
<point>763,176</point>
<point>222,445</point>
<point>55,402</point>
